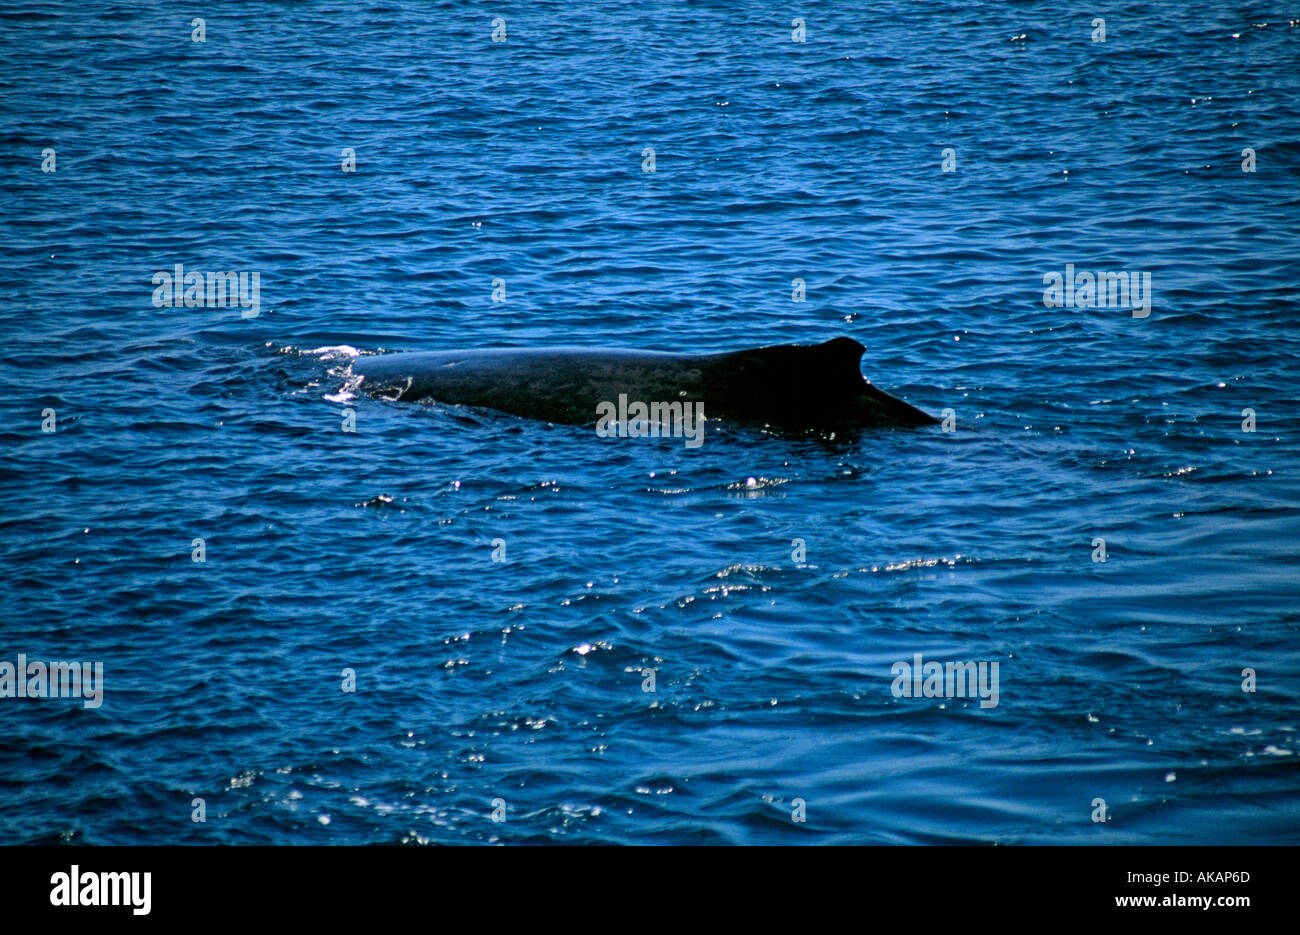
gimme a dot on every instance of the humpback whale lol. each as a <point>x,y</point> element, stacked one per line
<point>784,386</point>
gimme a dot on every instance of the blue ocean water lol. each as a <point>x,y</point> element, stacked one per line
<point>517,687</point>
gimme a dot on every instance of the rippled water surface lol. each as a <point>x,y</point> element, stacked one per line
<point>522,680</point>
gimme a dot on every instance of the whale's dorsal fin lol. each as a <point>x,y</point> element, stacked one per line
<point>832,364</point>
<point>843,347</point>
<point>783,383</point>
<point>843,358</point>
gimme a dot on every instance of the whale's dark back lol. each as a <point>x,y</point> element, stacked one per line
<point>792,386</point>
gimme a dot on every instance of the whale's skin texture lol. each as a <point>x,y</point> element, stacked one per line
<point>787,386</point>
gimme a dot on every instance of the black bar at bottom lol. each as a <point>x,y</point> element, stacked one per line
<point>337,884</point>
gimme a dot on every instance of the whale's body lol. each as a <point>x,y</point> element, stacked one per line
<point>789,386</point>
